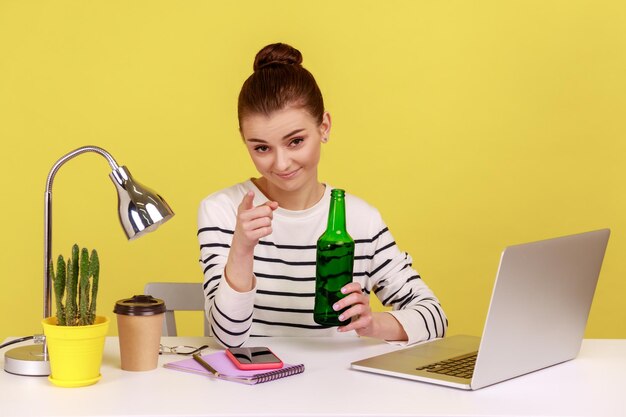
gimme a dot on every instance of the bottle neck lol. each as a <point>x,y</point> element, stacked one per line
<point>337,213</point>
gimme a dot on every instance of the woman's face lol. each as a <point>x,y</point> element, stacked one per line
<point>285,146</point>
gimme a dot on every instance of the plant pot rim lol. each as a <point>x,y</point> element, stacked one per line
<point>52,321</point>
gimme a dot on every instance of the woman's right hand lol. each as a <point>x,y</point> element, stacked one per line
<point>253,223</point>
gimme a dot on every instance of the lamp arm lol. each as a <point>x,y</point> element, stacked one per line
<point>70,155</point>
<point>47,285</point>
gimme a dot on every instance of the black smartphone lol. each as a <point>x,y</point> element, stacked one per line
<point>250,358</point>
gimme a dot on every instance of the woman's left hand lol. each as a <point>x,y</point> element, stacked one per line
<point>359,313</point>
<point>363,321</point>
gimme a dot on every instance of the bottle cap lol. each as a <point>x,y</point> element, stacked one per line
<point>140,305</point>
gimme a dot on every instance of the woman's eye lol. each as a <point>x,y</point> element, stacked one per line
<point>261,148</point>
<point>296,142</point>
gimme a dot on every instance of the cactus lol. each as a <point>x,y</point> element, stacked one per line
<point>71,307</point>
<point>94,271</point>
<point>79,295</point>
<point>59,288</point>
<point>83,293</point>
<point>70,295</point>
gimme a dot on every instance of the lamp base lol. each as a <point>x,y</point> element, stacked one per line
<point>27,361</point>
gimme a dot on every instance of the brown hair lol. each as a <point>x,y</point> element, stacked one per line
<point>279,80</point>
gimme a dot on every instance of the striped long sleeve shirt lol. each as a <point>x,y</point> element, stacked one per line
<point>281,304</point>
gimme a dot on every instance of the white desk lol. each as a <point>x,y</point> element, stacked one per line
<point>591,385</point>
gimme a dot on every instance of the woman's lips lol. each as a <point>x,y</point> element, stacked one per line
<point>288,175</point>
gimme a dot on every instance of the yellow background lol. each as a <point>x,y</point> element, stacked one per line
<point>471,125</point>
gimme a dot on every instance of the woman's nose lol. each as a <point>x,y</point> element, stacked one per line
<point>283,161</point>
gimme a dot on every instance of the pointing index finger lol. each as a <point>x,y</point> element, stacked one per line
<point>246,201</point>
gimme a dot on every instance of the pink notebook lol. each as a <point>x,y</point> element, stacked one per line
<point>228,371</point>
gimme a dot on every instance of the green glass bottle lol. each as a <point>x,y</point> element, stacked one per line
<point>335,261</point>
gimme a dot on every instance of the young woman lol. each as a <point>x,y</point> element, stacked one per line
<point>258,238</point>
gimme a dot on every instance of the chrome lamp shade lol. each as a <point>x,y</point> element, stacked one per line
<point>140,210</point>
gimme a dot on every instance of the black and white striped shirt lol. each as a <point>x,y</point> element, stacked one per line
<point>284,266</point>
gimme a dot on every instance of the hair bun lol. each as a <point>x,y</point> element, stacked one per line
<point>277,53</point>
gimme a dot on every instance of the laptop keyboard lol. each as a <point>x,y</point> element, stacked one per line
<point>460,366</point>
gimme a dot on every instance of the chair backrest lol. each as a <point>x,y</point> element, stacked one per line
<point>178,296</point>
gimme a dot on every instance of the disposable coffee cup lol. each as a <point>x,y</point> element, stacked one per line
<point>139,323</point>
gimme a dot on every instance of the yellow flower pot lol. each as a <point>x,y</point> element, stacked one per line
<point>75,351</point>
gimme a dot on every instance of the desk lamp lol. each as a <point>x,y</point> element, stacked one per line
<point>141,210</point>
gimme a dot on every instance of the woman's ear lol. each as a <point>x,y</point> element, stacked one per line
<point>325,127</point>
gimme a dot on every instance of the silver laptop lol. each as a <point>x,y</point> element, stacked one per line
<point>537,317</point>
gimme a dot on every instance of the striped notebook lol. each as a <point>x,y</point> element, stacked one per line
<point>229,372</point>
